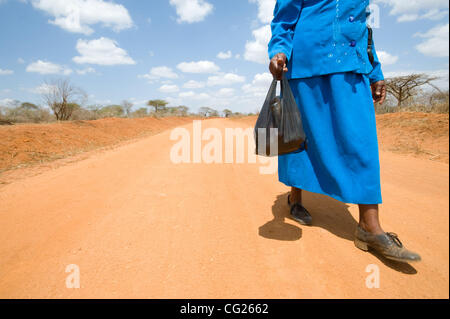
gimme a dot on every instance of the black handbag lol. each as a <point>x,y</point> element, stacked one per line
<point>279,128</point>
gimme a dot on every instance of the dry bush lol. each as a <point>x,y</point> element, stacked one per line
<point>425,102</point>
<point>82,114</point>
<point>440,108</point>
<point>142,112</point>
<point>24,114</point>
<point>62,98</point>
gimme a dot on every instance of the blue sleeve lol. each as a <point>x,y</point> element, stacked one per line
<point>285,17</point>
<point>376,74</point>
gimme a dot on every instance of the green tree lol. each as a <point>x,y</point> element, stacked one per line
<point>208,112</point>
<point>227,113</point>
<point>111,111</point>
<point>178,110</point>
<point>29,106</point>
<point>158,104</point>
<point>142,112</point>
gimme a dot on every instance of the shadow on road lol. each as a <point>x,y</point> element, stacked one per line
<point>277,228</point>
<point>329,214</point>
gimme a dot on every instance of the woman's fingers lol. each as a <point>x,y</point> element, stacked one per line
<point>278,65</point>
<point>379,92</point>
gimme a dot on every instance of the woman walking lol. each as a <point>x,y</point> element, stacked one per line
<point>324,47</point>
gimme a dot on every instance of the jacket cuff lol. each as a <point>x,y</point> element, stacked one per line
<point>375,78</point>
<point>276,50</point>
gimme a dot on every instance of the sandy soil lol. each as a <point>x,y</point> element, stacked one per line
<point>139,226</point>
<point>25,145</point>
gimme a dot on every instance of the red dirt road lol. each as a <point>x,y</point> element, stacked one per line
<point>139,226</point>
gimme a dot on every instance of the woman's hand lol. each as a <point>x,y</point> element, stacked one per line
<point>278,66</point>
<point>378,92</point>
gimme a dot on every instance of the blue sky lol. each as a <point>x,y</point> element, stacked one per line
<point>189,52</point>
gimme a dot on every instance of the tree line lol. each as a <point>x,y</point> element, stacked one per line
<point>65,102</point>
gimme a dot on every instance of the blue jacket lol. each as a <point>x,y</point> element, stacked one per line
<point>323,36</point>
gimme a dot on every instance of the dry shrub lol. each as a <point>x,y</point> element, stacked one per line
<point>21,114</point>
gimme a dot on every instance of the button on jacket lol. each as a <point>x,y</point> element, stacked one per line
<point>322,37</point>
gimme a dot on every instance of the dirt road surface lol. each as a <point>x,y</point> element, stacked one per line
<point>138,226</point>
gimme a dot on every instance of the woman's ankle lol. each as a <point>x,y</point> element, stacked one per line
<point>295,196</point>
<point>371,228</point>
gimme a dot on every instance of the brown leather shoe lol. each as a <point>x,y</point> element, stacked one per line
<point>387,244</point>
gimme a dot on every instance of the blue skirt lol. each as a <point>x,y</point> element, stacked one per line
<point>341,159</point>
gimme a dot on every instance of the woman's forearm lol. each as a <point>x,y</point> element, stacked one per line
<point>286,15</point>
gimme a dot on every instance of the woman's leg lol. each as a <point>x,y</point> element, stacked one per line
<point>296,195</point>
<point>368,214</point>
<point>369,219</point>
<point>298,212</point>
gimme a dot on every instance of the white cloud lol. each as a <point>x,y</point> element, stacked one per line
<point>265,9</point>
<point>44,67</point>
<point>101,51</point>
<point>20,61</point>
<point>78,16</point>
<point>186,94</point>
<point>6,72</point>
<point>160,72</point>
<point>198,67</point>
<point>411,10</point>
<point>259,86</point>
<point>437,42</point>
<point>202,97</point>
<point>226,92</point>
<point>43,89</point>
<point>225,55</point>
<point>169,88</point>
<point>387,58</point>
<point>225,79</point>
<point>194,85</point>
<point>85,71</point>
<point>256,50</point>
<point>7,102</point>
<point>191,11</point>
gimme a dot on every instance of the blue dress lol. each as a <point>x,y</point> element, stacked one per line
<point>341,159</point>
<point>325,42</point>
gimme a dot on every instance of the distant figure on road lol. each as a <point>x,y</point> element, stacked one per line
<point>335,75</point>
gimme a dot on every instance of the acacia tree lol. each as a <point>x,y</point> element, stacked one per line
<point>157,104</point>
<point>405,87</point>
<point>29,106</point>
<point>227,113</point>
<point>62,97</point>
